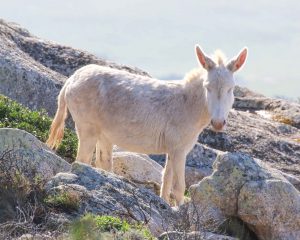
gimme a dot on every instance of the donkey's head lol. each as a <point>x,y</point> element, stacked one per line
<point>219,85</point>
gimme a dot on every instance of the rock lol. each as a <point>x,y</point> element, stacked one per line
<point>261,197</point>
<point>139,169</point>
<point>36,237</point>
<point>30,66</point>
<point>199,163</point>
<point>20,151</point>
<point>280,110</point>
<point>193,236</point>
<point>243,92</point>
<point>272,142</point>
<point>193,175</point>
<point>271,208</point>
<point>100,192</point>
<point>292,179</point>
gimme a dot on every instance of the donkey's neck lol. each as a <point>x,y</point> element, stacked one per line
<point>195,92</point>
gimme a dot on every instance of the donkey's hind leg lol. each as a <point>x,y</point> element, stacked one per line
<point>104,154</point>
<point>86,144</point>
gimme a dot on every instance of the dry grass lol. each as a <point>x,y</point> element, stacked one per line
<point>283,119</point>
<point>22,206</point>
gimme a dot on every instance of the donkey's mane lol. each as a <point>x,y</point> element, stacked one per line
<point>219,57</point>
<point>194,74</point>
<point>198,73</point>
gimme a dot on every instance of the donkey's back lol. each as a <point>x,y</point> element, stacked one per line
<point>129,110</point>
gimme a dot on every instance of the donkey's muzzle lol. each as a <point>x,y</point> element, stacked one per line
<point>218,125</point>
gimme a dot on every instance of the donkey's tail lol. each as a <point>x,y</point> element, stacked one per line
<point>58,124</point>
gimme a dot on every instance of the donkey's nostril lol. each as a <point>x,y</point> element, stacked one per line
<point>218,125</point>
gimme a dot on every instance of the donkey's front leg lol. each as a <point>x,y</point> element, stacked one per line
<point>179,177</point>
<point>167,179</point>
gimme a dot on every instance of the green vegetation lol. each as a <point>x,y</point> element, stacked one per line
<point>93,227</point>
<point>108,223</point>
<point>68,201</point>
<point>14,115</point>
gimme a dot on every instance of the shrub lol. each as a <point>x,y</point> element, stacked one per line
<point>109,223</point>
<point>14,115</point>
<point>21,199</point>
<point>93,227</point>
<point>84,228</point>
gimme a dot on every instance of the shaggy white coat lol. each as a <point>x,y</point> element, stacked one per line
<point>146,115</point>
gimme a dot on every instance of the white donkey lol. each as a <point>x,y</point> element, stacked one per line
<point>146,115</point>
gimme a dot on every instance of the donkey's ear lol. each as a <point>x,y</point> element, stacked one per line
<point>205,61</point>
<point>237,62</point>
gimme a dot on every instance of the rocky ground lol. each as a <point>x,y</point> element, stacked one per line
<point>249,173</point>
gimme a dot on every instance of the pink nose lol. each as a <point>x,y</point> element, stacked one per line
<point>218,125</point>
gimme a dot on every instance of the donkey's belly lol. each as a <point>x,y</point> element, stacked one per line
<point>135,142</point>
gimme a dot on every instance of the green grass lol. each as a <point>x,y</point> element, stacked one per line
<point>109,223</point>
<point>94,227</point>
<point>14,115</point>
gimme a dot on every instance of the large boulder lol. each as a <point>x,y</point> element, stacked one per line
<point>23,153</point>
<point>279,110</point>
<point>100,192</point>
<point>272,142</point>
<point>30,66</point>
<point>261,197</point>
<point>91,190</point>
<point>138,168</point>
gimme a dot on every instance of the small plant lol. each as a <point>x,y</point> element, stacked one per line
<point>93,227</point>
<point>14,115</point>
<point>140,229</point>
<point>67,201</point>
<point>84,228</point>
<point>109,223</point>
